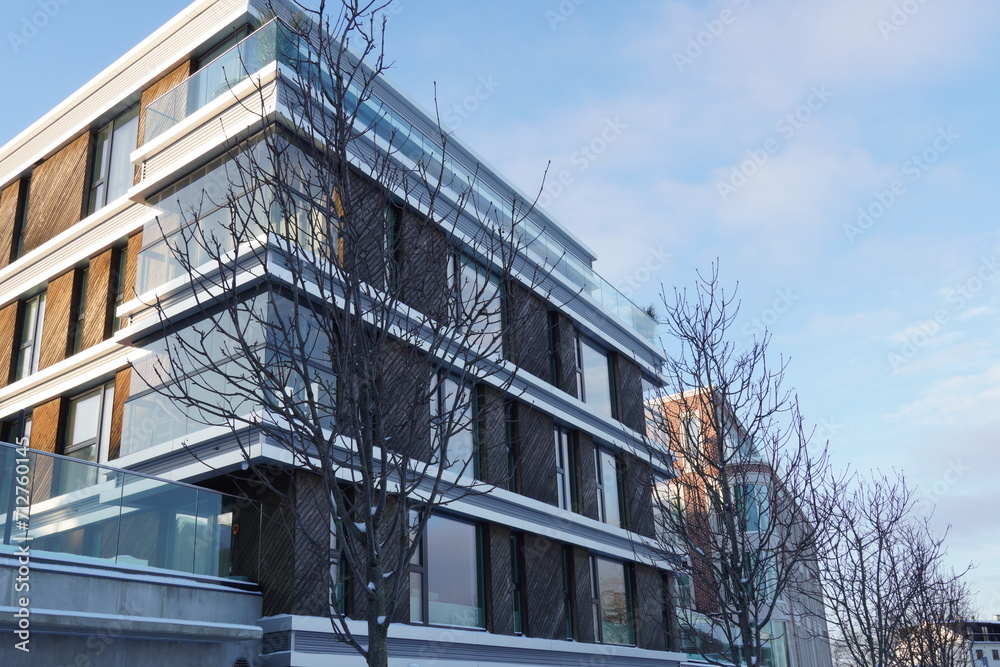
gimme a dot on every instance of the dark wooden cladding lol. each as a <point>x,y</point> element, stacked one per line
<point>98,300</point>
<point>8,355</point>
<point>56,196</point>
<point>8,221</point>
<point>177,75</point>
<point>544,582</point>
<point>57,327</point>
<point>131,264</point>
<point>123,378</point>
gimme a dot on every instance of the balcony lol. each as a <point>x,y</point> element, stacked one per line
<point>274,42</point>
<point>61,505</point>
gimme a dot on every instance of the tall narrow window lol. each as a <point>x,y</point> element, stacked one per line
<point>518,586</point>
<point>752,506</point>
<point>566,469</point>
<point>120,260</point>
<point>80,310</point>
<point>480,304</point>
<point>569,586</point>
<point>393,220</point>
<point>20,216</point>
<point>610,488</point>
<point>454,409</point>
<point>446,575</point>
<point>88,435</point>
<point>29,349</point>
<point>598,379</point>
<point>513,447</point>
<point>112,173</point>
<point>614,621</point>
<point>555,365</point>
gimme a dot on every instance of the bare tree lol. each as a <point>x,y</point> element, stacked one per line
<point>890,597</point>
<point>743,513</point>
<point>348,307</point>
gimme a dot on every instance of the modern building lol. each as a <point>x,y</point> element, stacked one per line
<point>704,434</point>
<point>965,643</point>
<point>136,556</point>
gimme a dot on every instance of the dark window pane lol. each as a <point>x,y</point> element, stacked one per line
<point>453,573</point>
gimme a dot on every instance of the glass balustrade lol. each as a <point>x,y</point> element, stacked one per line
<point>274,41</point>
<point>62,505</point>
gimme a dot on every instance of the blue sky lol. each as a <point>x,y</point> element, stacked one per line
<point>838,158</point>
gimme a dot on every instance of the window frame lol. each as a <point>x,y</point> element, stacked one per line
<point>519,583</point>
<point>103,154</point>
<point>421,569</point>
<point>600,453</point>
<point>439,404</point>
<point>627,576</point>
<point>80,308</point>
<point>567,490</point>
<point>457,263</point>
<point>30,349</point>
<point>512,435</point>
<point>569,592</point>
<point>582,342</point>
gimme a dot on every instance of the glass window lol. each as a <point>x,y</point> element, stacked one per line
<point>30,346</point>
<point>513,447</point>
<point>393,219</point>
<point>88,435</point>
<point>446,575</point>
<point>120,260</point>
<point>683,591</point>
<point>480,304</point>
<point>566,469</point>
<point>752,506</point>
<point>610,494</point>
<point>668,511</point>
<point>80,310</point>
<point>453,417</point>
<point>554,362</point>
<point>775,652</point>
<point>517,581</point>
<point>569,587</point>
<point>614,622</point>
<point>20,217</point>
<point>113,173</point>
<point>598,379</point>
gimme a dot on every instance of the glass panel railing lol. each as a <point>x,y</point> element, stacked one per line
<point>62,505</point>
<point>275,42</point>
<point>215,79</point>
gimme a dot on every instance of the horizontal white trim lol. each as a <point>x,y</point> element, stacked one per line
<point>64,377</point>
<point>80,242</point>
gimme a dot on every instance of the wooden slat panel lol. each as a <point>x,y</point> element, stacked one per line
<point>45,425</point>
<point>131,262</point>
<point>45,434</point>
<point>123,379</point>
<point>56,327</point>
<point>8,326</point>
<point>56,196</point>
<point>98,300</point>
<point>8,221</point>
<point>180,73</point>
